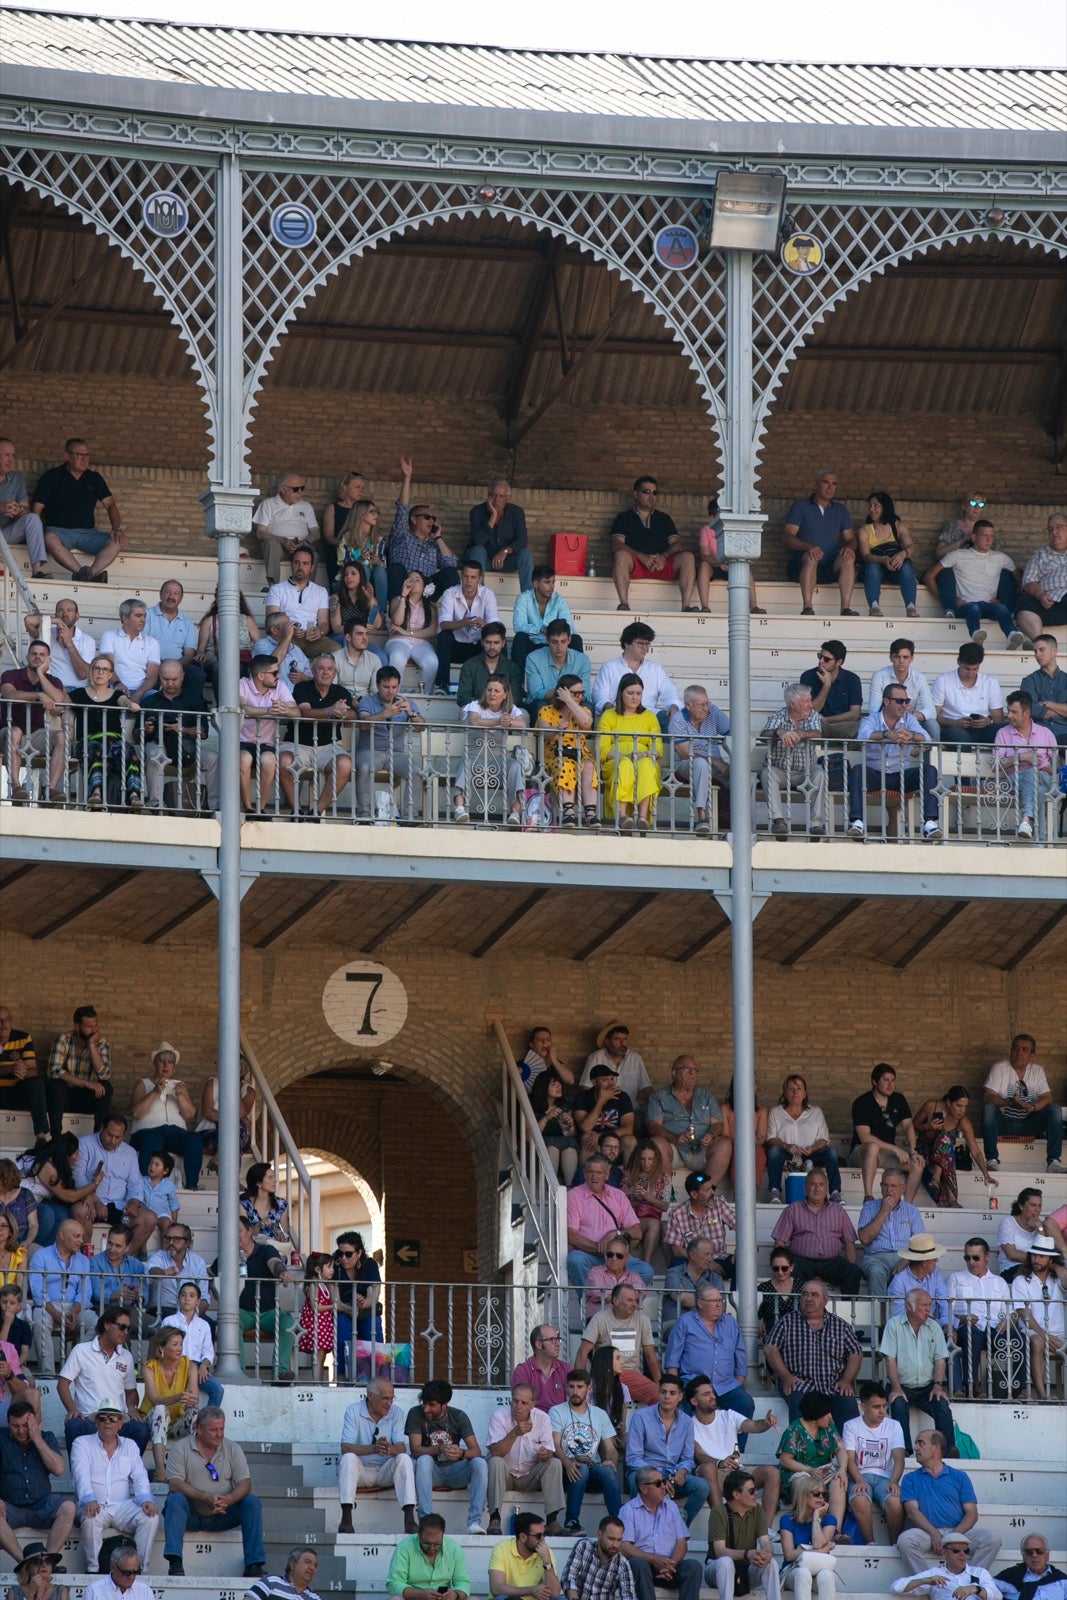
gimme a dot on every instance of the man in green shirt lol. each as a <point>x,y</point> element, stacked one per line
<point>737,1532</point>
<point>475,673</point>
<point>427,1566</point>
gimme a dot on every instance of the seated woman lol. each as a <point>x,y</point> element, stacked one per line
<point>47,1172</point>
<point>171,1393</point>
<point>12,1254</point>
<point>351,601</point>
<point>208,1126</point>
<point>630,745</point>
<point>1038,1289</point>
<point>940,1126</point>
<point>540,1055</point>
<point>646,1183</point>
<point>349,491</point>
<point>207,638</point>
<point>813,1445</point>
<point>261,1207</point>
<point>568,751</point>
<point>412,627</point>
<point>489,763</point>
<point>712,564</point>
<point>18,1201</point>
<point>358,539</point>
<point>110,765</point>
<point>548,1102</point>
<point>162,1112</point>
<point>780,1292</point>
<point>796,1133</point>
<point>808,1532</point>
<point>886,551</point>
<point>1016,1234</point>
<point>199,1343</point>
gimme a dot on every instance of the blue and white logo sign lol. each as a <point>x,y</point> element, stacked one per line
<point>676,248</point>
<point>165,214</point>
<point>293,225</point>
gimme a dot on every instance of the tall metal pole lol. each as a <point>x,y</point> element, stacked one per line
<point>741,547</point>
<point>228,507</point>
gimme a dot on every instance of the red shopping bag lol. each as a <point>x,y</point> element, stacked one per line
<point>566,552</point>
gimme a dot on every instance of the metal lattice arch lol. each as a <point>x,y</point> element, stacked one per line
<point>784,316</point>
<point>615,230</point>
<point>106,192</point>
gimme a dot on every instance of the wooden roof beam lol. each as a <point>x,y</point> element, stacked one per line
<point>501,930</point>
<point>925,940</point>
<point>403,918</point>
<point>624,920</point>
<point>1036,940</point>
<point>100,895</point>
<point>834,921</point>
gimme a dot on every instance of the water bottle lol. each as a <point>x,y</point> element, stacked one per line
<point>591,570</point>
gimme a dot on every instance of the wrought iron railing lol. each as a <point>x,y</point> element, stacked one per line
<point>545,1200</point>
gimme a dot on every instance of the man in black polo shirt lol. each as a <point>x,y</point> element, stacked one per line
<point>263,1269</point>
<point>645,544</point>
<point>181,739</point>
<point>878,1118</point>
<point>29,1459</point>
<point>66,499</point>
<point>325,708</point>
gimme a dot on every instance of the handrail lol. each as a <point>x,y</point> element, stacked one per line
<point>16,603</point>
<point>545,1196</point>
<point>303,1189</point>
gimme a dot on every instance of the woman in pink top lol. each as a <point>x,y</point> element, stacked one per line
<point>710,561</point>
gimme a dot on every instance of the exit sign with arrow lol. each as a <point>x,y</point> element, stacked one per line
<point>407,1252</point>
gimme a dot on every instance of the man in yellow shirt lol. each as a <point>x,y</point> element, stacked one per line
<point>523,1568</point>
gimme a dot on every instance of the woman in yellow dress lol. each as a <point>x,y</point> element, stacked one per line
<point>631,750</point>
<point>171,1392</point>
<point>569,751</point>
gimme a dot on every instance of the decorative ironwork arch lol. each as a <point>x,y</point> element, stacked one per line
<point>107,193</point>
<point>617,230</point>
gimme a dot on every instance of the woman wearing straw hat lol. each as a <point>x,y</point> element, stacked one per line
<point>162,1112</point>
<point>1038,1288</point>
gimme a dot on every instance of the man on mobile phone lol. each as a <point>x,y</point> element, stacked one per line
<point>427,1564</point>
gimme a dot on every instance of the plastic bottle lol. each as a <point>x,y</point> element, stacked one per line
<point>591,569</point>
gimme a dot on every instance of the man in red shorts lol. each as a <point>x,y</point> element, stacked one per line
<point>645,544</point>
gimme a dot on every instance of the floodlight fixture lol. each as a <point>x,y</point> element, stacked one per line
<point>747,211</point>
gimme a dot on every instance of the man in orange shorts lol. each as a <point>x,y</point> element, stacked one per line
<point>645,544</point>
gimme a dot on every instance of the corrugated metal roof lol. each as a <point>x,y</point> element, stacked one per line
<point>342,67</point>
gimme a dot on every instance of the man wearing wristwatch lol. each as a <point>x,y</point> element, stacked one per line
<point>955,1578</point>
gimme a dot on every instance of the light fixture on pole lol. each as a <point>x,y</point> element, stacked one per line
<point>747,211</point>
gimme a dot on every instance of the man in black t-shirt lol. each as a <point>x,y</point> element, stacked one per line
<point>604,1106</point>
<point>645,544</point>
<point>262,1268</point>
<point>878,1119</point>
<point>446,1451</point>
<point>66,499</point>
<point>325,708</point>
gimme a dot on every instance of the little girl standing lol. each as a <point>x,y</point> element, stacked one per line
<point>317,1314</point>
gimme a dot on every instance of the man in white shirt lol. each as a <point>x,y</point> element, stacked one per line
<point>902,670</point>
<point>875,1462</point>
<point>306,604</point>
<point>613,1050</point>
<point>969,703</point>
<point>282,521</point>
<point>1018,1100</point>
<point>954,1578</point>
<point>716,1433</point>
<point>461,615</point>
<point>136,656</point>
<point>112,1488</point>
<point>101,1372</point>
<point>123,1580</point>
<point>981,1310</point>
<point>522,1457</point>
<point>661,692</point>
<point>978,570</point>
<point>72,647</point>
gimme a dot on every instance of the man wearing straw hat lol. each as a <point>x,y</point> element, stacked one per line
<point>613,1050</point>
<point>919,1270</point>
<point>916,1357</point>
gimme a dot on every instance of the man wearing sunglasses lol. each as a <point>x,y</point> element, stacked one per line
<point>112,1488</point>
<point>98,1371</point>
<point>895,763</point>
<point>124,1578</point>
<point>1041,1579</point>
<point>209,1487</point>
<point>282,521</point>
<point>655,1540</point>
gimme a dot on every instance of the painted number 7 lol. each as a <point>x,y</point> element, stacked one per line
<point>375,979</point>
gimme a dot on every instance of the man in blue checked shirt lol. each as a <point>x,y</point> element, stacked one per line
<point>889,766</point>
<point>661,1436</point>
<point>115,1274</point>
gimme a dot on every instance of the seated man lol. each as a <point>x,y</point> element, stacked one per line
<point>655,1540</point>
<point>18,524</point>
<point>602,1108</point>
<point>902,671</point>
<point>821,541</point>
<point>812,1351</point>
<point>629,1331</point>
<point>535,608</point>
<point>463,613</point>
<point>613,1050</point>
<point>608,1145</point>
<point>704,1215</point>
<point>293,665</point>
<point>102,1371</point>
<point>121,1185</point>
<point>597,1568</point>
<point>716,1436</point>
<point>175,1264</point>
<point>119,1278</point>
<point>661,692</point>
<point>1026,759</point>
<point>884,1229</point>
<point>134,652</point>
<point>1035,1571</point>
<point>584,1437</point>
<point>306,604</point>
<point>523,1566</point>
<point>173,738</point>
<point>446,1451</point>
<point>72,648</point>
<point>646,544</point>
<point>836,693</point>
<point>498,535</point>
<point>1046,686</point>
<point>1017,1100</point>
<point>594,1210</point>
<point>174,633</point>
<point>698,756</point>
<point>1043,601</point>
<point>417,544</point>
<point>820,1234</point>
<point>894,764</point>
<point>122,1577</point>
<point>617,1268</point>
<point>32,695</point>
<point>685,1278</point>
<point>793,736</point>
<point>969,703</point>
<point>978,570</point>
<point>706,1342</point>
<point>661,1436</point>
<point>324,709</point>
<point>874,1452</point>
<point>544,1372</point>
<point>356,662</point>
<point>21,1088</point>
<point>522,1457</point>
<point>982,1317</point>
<point>209,1490</point>
<point>738,1533</point>
<point>112,1488</point>
<point>29,1460</point>
<point>939,1499</point>
<point>59,1289</point>
<point>686,1122</point>
<point>559,658</point>
<point>65,500</point>
<point>492,662</point>
<point>428,1563</point>
<point>878,1117</point>
<point>283,521</point>
<point>374,1453</point>
<point>954,1576</point>
<point>916,1364</point>
<point>919,1270</point>
<point>389,724</point>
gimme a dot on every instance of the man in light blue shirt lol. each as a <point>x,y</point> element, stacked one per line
<point>173,632</point>
<point>544,668</point>
<point>885,1226</point>
<point>707,1342</point>
<point>662,1436</point>
<point>534,610</point>
<point>293,665</point>
<point>901,670</point>
<point>889,766</point>
<point>59,1289</point>
<point>698,754</point>
<point>121,1184</point>
<point>655,1540</point>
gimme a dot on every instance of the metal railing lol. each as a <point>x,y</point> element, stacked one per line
<point>355,772</point>
<point>16,604</point>
<point>301,1231</point>
<point>545,1198</point>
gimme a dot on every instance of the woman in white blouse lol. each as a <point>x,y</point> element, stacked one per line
<point>797,1133</point>
<point>1016,1234</point>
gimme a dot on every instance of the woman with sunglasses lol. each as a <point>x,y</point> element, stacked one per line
<point>359,1283</point>
<point>104,753</point>
<point>33,1575</point>
<point>813,1445</point>
<point>1038,1289</point>
<point>568,751</point>
<point>941,1126</point>
<point>781,1291</point>
<point>808,1532</point>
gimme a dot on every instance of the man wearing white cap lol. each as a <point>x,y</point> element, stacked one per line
<point>112,1488</point>
<point>956,1577</point>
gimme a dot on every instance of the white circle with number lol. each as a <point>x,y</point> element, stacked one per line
<point>365,1004</point>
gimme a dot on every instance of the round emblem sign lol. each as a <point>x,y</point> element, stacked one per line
<point>165,214</point>
<point>676,248</point>
<point>365,1004</point>
<point>802,254</point>
<point>293,225</point>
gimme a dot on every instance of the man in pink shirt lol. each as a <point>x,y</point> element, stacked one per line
<point>260,693</point>
<point>593,1211</point>
<point>617,1267</point>
<point>1025,753</point>
<point>821,1236</point>
<point>544,1372</point>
